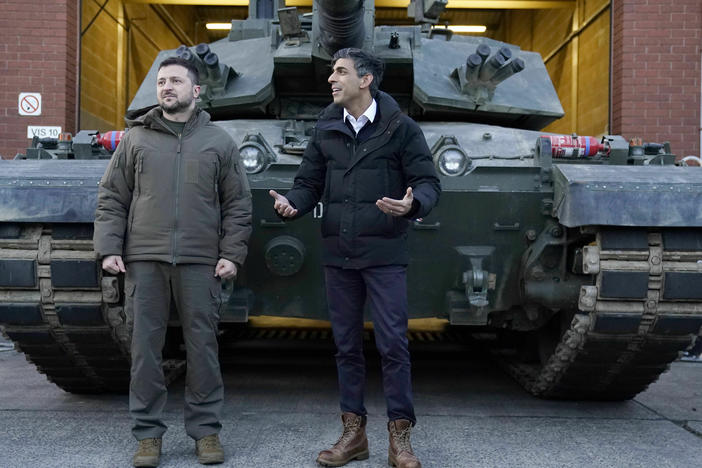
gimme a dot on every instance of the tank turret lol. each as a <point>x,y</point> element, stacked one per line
<point>463,79</point>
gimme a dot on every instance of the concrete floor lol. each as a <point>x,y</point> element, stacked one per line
<point>281,409</point>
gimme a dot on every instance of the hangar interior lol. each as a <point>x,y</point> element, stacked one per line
<point>121,38</point>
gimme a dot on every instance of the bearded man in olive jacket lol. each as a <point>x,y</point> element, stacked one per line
<point>174,213</point>
<point>371,167</point>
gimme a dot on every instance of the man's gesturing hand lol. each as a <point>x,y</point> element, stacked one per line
<point>282,205</point>
<point>396,207</point>
<point>113,264</point>
<point>225,269</point>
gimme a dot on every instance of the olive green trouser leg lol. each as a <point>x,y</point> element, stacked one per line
<point>197,295</point>
<point>195,290</point>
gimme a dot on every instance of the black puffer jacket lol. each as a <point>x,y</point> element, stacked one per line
<point>349,177</point>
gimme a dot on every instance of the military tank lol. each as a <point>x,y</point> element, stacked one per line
<point>580,257</point>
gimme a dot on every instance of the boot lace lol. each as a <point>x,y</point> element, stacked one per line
<point>209,442</point>
<point>148,443</point>
<point>350,428</point>
<point>147,446</point>
<point>402,440</point>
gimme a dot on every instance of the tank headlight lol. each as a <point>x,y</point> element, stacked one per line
<point>256,154</point>
<point>252,157</point>
<point>452,162</point>
<point>449,157</point>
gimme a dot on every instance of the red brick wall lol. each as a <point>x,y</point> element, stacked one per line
<point>656,71</point>
<point>38,53</point>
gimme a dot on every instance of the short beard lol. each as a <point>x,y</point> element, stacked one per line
<point>177,107</point>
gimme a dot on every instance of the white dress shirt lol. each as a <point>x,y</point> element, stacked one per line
<point>367,116</point>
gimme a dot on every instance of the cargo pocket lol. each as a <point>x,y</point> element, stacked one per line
<point>216,293</point>
<point>129,290</point>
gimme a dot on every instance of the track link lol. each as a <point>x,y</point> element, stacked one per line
<point>63,314</point>
<point>618,344</point>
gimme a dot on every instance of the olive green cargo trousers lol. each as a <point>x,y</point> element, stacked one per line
<point>149,287</point>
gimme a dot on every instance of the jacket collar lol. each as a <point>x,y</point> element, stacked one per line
<point>152,118</point>
<point>331,118</point>
<point>367,116</point>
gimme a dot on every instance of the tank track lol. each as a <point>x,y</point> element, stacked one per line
<point>63,314</point>
<point>615,346</point>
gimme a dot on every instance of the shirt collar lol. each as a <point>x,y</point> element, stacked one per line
<point>369,115</point>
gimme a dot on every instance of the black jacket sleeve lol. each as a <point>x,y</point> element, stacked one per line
<point>309,182</point>
<point>419,171</point>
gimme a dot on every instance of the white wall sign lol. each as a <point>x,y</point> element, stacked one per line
<point>29,104</point>
<point>42,132</point>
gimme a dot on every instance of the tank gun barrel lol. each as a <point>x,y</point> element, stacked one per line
<point>340,24</point>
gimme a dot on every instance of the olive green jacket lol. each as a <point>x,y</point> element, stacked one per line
<point>174,198</point>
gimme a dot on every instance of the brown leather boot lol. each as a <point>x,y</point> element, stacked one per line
<point>400,452</point>
<point>352,444</point>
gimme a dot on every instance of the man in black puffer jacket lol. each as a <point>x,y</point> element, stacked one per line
<point>371,167</point>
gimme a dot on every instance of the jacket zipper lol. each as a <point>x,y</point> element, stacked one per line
<point>174,240</point>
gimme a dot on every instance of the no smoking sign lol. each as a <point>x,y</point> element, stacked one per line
<point>29,104</point>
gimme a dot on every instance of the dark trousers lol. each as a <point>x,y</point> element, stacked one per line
<point>196,292</point>
<point>385,287</point>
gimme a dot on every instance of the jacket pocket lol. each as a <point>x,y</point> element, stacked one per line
<point>137,189</point>
<point>218,208</point>
<point>192,171</point>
